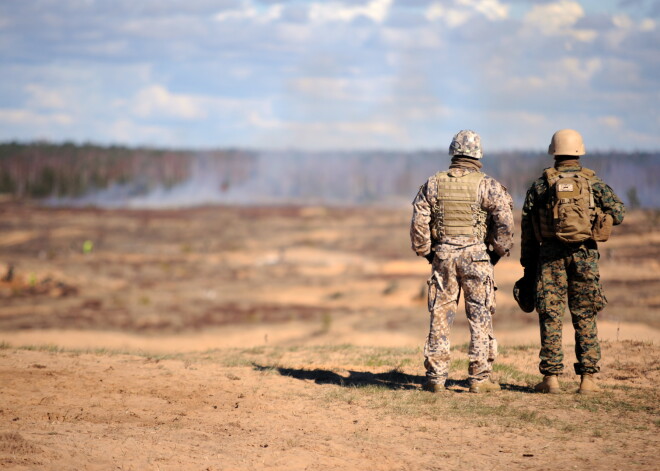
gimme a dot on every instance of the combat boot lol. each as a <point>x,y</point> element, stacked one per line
<point>588,385</point>
<point>549,385</point>
<point>434,387</point>
<point>484,386</point>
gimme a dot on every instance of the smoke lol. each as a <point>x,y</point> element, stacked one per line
<point>344,178</point>
<point>275,178</point>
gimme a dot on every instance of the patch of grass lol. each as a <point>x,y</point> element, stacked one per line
<point>5,345</point>
<point>508,349</point>
<point>459,364</point>
<point>508,373</point>
<point>233,360</point>
<point>374,359</point>
<point>326,322</point>
<point>13,443</point>
<point>461,347</point>
<point>45,348</point>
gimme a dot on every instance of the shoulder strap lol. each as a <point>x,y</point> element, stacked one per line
<point>552,175</point>
<point>439,176</point>
<point>474,175</point>
<point>587,173</point>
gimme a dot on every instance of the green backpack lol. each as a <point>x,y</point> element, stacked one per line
<point>571,208</point>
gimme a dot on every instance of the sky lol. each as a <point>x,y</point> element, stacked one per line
<point>330,75</point>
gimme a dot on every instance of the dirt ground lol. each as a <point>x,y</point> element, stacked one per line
<point>289,338</point>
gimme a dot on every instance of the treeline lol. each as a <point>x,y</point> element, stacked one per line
<point>121,176</point>
<point>40,170</point>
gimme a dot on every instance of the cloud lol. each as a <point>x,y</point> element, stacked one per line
<point>337,135</point>
<point>375,10</point>
<point>43,97</point>
<point>612,122</point>
<point>558,19</point>
<point>156,100</point>
<point>491,9</point>
<point>624,22</point>
<point>343,89</point>
<point>647,24</point>
<point>126,130</point>
<point>248,11</point>
<point>452,17</point>
<point>262,72</point>
<point>31,118</point>
<point>464,10</point>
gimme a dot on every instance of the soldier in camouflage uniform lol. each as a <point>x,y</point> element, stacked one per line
<point>462,224</point>
<point>565,270</point>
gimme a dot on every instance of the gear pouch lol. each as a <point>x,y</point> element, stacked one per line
<point>602,228</point>
<point>480,257</point>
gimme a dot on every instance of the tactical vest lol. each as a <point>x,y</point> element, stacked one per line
<point>456,210</point>
<point>569,211</point>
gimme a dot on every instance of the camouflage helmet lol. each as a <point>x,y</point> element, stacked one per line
<point>523,293</point>
<point>466,143</point>
<point>566,142</point>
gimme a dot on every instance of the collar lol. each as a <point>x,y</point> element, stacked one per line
<point>468,163</point>
<point>567,164</point>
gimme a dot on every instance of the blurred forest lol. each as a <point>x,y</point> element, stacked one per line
<point>115,176</point>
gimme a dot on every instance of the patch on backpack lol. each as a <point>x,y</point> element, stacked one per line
<point>563,187</point>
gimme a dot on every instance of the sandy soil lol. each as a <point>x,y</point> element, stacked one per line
<point>313,409</point>
<point>289,338</point>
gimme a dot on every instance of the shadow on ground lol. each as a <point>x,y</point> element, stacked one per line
<point>356,379</point>
<point>392,379</point>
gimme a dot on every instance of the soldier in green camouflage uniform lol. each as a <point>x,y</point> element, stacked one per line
<point>457,214</point>
<point>565,270</point>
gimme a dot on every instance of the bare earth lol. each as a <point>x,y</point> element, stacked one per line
<point>289,338</point>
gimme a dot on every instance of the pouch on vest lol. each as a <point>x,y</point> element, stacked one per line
<point>602,227</point>
<point>572,204</point>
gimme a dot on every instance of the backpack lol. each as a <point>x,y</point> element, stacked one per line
<point>571,207</point>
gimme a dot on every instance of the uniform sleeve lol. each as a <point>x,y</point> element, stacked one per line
<point>529,245</point>
<point>608,201</point>
<point>420,228</point>
<point>497,202</point>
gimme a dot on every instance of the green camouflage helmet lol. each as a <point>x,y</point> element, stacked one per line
<point>466,143</point>
<point>523,293</point>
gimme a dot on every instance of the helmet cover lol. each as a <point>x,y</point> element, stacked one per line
<point>467,143</point>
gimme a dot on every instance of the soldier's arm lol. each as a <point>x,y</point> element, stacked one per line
<point>497,202</point>
<point>529,245</point>
<point>608,201</point>
<point>420,229</point>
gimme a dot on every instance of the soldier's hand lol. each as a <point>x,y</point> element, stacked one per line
<point>430,256</point>
<point>494,258</point>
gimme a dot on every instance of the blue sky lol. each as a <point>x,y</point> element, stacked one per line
<point>360,74</point>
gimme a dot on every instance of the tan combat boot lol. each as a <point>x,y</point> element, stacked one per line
<point>588,385</point>
<point>434,387</point>
<point>484,386</point>
<point>549,385</point>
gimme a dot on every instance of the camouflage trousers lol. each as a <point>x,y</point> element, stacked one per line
<point>571,274</point>
<point>472,273</point>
